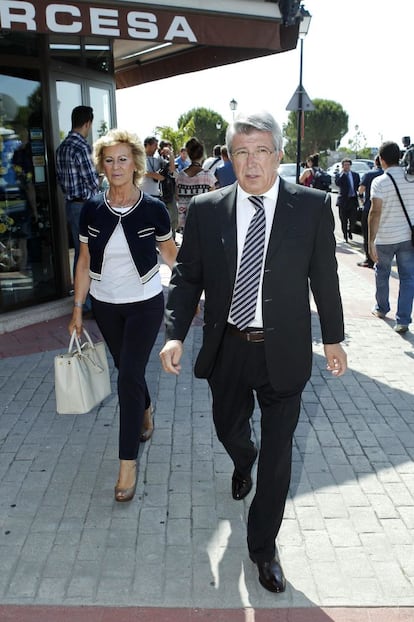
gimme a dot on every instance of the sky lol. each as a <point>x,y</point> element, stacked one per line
<point>356,53</point>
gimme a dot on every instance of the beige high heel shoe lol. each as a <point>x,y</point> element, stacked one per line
<point>147,424</point>
<point>126,494</point>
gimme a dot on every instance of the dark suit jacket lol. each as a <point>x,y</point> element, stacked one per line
<point>301,251</point>
<point>342,182</point>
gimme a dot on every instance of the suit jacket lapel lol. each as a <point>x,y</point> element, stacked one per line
<point>226,207</point>
<point>283,214</point>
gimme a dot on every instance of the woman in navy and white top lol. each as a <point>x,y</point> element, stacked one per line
<point>120,231</point>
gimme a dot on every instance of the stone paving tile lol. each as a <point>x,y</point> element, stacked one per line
<point>348,534</point>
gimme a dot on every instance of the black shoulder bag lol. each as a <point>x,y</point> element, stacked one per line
<point>403,206</point>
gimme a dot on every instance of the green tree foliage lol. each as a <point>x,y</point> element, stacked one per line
<point>324,126</point>
<point>177,138</point>
<point>209,126</point>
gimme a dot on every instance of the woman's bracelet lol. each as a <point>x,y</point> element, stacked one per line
<point>78,304</point>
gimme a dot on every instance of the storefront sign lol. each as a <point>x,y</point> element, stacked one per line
<point>119,21</point>
<point>91,20</point>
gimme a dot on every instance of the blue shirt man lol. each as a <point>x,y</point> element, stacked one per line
<point>365,190</point>
<point>182,161</point>
<point>224,171</point>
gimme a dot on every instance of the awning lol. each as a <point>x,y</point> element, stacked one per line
<point>153,41</point>
<point>195,40</point>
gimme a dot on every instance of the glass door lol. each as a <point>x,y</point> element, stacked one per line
<point>100,100</point>
<point>26,267</point>
<point>69,95</point>
<point>74,91</point>
<point>100,97</point>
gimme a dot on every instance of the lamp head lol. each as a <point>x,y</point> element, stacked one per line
<point>304,23</point>
<point>233,105</point>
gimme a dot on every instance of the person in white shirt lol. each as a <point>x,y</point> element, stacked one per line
<point>211,163</point>
<point>153,164</point>
<point>391,235</point>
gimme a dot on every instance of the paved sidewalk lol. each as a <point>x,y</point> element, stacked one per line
<point>178,551</point>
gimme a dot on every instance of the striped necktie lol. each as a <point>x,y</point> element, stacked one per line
<point>243,305</point>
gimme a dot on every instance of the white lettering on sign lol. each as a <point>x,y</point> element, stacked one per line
<point>180,28</point>
<point>26,16</point>
<point>53,10</point>
<point>103,21</point>
<point>142,25</point>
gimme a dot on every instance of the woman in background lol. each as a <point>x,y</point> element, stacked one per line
<point>120,231</point>
<point>192,180</point>
<point>306,178</point>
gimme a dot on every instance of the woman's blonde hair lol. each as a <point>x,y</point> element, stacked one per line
<point>115,137</point>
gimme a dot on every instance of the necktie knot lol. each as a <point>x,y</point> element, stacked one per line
<point>257,201</point>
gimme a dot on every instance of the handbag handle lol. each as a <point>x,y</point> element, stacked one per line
<point>75,340</point>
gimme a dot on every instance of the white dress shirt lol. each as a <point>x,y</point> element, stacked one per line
<point>244,213</point>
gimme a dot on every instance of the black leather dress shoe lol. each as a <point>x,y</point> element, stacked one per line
<point>241,485</point>
<point>271,575</point>
<point>365,264</point>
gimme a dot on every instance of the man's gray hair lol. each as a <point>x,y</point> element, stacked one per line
<point>258,121</point>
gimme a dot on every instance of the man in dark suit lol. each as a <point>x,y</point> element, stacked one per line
<point>272,355</point>
<point>347,201</point>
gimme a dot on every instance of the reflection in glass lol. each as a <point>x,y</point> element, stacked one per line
<point>100,102</point>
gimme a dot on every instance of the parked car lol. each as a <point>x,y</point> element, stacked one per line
<point>287,170</point>
<point>358,166</point>
<point>370,163</point>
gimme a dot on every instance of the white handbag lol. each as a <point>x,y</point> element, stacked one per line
<point>81,376</point>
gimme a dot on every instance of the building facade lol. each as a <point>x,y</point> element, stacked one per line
<point>57,55</point>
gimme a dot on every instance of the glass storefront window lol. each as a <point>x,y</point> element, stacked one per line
<point>26,268</point>
<point>100,102</point>
<point>19,44</point>
<point>69,95</point>
<point>88,52</point>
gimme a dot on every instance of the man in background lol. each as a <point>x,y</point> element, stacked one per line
<point>347,201</point>
<point>390,235</point>
<point>408,158</point>
<point>168,183</point>
<point>77,175</point>
<point>182,160</point>
<point>211,163</point>
<point>153,165</point>
<point>224,171</point>
<point>364,191</point>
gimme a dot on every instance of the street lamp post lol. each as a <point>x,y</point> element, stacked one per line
<point>233,106</point>
<point>305,19</point>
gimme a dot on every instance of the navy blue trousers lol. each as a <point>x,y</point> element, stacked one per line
<point>130,331</point>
